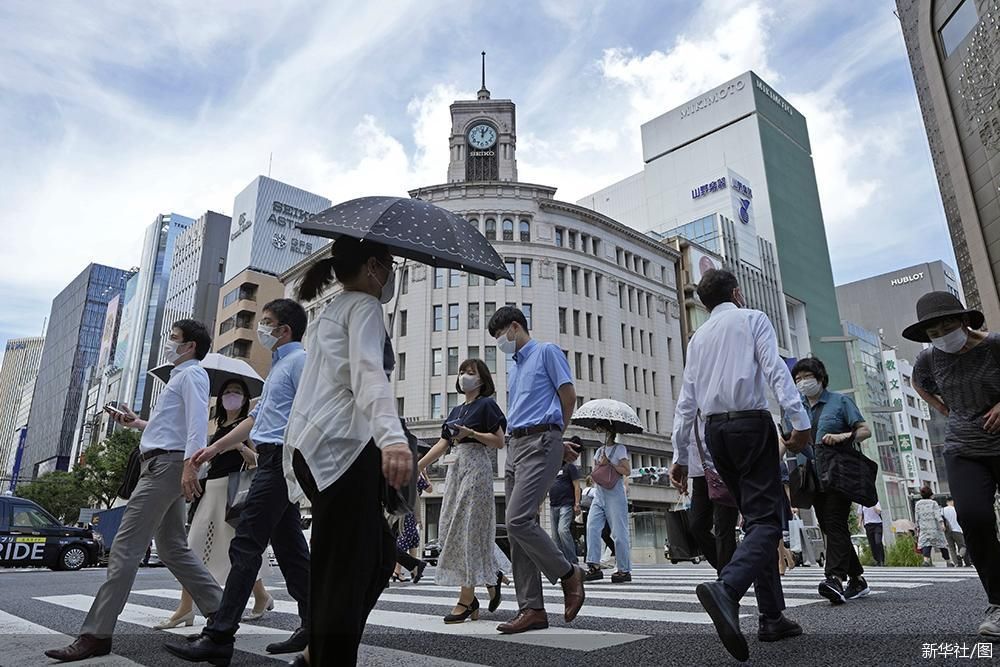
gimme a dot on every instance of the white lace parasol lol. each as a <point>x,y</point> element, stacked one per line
<point>608,413</point>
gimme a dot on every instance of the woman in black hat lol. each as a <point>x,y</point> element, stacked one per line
<point>959,376</point>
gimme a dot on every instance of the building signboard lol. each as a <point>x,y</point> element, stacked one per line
<point>894,383</point>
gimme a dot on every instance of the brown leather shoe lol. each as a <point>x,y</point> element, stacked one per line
<point>85,646</point>
<point>573,593</point>
<point>526,619</point>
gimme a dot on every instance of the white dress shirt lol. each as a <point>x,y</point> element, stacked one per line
<point>871,514</point>
<point>732,358</point>
<point>951,518</point>
<point>179,422</point>
<point>346,398</point>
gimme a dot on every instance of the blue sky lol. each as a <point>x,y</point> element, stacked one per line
<point>111,113</point>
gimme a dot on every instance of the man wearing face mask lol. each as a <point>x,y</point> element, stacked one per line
<point>540,401</point>
<point>959,376</point>
<point>177,428</point>
<point>268,515</point>
<point>837,422</point>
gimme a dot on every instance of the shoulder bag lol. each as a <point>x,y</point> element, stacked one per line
<point>604,474</point>
<point>803,484</point>
<point>236,497</point>
<point>718,492</point>
<point>844,468</point>
<point>403,501</point>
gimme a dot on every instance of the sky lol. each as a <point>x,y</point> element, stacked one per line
<point>111,113</point>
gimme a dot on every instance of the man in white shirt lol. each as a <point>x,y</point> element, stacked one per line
<point>177,428</point>
<point>871,521</point>
<point>956,538</point>
<point>732,359</point>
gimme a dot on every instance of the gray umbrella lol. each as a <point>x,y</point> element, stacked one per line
<point>414,229</point>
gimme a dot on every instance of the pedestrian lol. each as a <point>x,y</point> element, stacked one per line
<point>610,506</point>
<point>474,431</point>
<point>930,527</point>
<point>712,524</point>
<point>349,447</point>
<point>953,533</point>
<point>177,428</point>
<point>837,423</point>
<point>540,399</point>
<point>959,376</point>
<point>871,521</point>
<point>732,360</point>
<point>268,515</point>
<point>564,501</point>
<point>210,534</point>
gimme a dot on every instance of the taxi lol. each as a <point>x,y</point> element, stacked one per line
<point>31,537</point>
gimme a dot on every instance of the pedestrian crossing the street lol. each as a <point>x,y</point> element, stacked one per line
<point>658,600</point>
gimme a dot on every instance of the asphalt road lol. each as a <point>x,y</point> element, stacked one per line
<point>655,620</point>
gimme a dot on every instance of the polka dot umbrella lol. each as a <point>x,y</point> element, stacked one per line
<point>414,229</point>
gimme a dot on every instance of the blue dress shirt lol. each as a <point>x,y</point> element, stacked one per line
<point>271,412</point>
<point>834,413</point>
<point>540,369</point>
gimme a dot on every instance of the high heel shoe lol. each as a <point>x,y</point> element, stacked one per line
<point>255,615</point>
<point>470,610</point>
<point>187,620</point>
<point>495,594</point>
<point>418,572</point>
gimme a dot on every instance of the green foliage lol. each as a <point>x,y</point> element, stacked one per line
<point>901,553</point>
<point>61,493</point>
<point>865,556</point>
<point>104,464</point>
<point>852,521</point>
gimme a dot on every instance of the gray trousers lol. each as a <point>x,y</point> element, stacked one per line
<point>532,465</point>
<point>156,509</point>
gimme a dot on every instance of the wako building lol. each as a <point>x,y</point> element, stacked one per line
<point>732,170</point>
<point>605,293</point>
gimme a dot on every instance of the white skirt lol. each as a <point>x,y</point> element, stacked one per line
<point>209,535</point>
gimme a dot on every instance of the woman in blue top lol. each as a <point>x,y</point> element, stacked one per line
<point>837,422</point>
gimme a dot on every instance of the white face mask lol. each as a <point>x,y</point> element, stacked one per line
<point>170,354</point>
<point>389,288</point>
<point>265,336</point>
<point>810,387</point>
<point>951,342</point>
<point>469,382</point>
<point>506,345</point>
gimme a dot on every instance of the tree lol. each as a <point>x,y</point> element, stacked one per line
<point>61,493</point>
<point>103,465</point>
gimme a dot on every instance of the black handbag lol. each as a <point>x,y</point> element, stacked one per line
<point>403,501</point>
<point>236,497</point>
<point>845,469</point>
<point>132,471</point>
<point>803,485</point>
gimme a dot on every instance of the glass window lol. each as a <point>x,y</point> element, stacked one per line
<point>574,280</point>
<point>508,229</point>
<point>572,240</point>
<point>511,265</point>
<point>474,222</point>
<point>489,308</point>
<point>473,315</point>
<point>472,352</point>
<point>590,320</point>
<point>590,367</point>
<point>452,401</point>
<point>578,358</point>
<point>402,323</point>
<point>491,358</point>
<point>525,273</point>
<point>559,236</point>
<point>452,317</point>
<point>436,361</point>
<point>473,280</point>
<point>562,320</point>
<point>454,278</point>
<point>438,278</point>
<point>436,406</point>
<point>400,402</point>
<point>404,278</point>
<point>600,362</point>
<point>561,278</point>
<point>491,229</point>
<point>600,327</point>
<point>525,230</point>
<point>576,322</point>
<point>526,309</point>
<point>625,369</point>
<point>958,26</point>
<point>452,361</point>
<point>26,516</point>
<point>438,318</point>
<point>586,283</point>
<point>401,366</point>
<point>596,244</point>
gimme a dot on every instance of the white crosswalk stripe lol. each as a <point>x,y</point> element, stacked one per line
<point>22,638</point>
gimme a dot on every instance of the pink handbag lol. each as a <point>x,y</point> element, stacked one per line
<point>605,474</point>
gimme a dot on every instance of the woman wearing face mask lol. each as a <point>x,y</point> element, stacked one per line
<point>959,376</point>
<point>209,534</point>
<point>837,422</point>
<point>467,527</point>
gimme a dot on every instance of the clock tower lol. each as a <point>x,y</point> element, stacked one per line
<point>483,138</point>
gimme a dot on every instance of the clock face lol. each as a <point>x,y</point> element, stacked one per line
<point>482,136</point>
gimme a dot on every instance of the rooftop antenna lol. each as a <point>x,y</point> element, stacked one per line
<point>270,157</point>
<point>45,323</point>
<point>483,93</point>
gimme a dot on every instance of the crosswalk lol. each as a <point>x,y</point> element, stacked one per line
<point>658,599</point>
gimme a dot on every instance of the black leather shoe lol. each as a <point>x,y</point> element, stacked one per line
<point>777,629</point>
<point>85,646</point>
<point>294,644</point>
<point>300,661</point>
<point>202,649</point>
<point>725,614</point>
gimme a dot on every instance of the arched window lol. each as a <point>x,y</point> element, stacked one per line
<point>491,229</point>
<point>525,230</point>
<point>508,229</point>
<point>474,222</point>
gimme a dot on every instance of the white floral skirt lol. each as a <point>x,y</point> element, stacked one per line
<point>209,535</point>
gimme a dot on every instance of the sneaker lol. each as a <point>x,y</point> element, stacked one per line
<point>773,630</point>
<point>857,588</point>
<point>593,573</point>
<point>833,590</point>
<point>950,564</point>
<point>990,627</point>
<point>621,577</point>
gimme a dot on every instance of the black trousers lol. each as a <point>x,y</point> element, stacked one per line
<point>745,452</point>
<point>713,525</point>
<point>974,482</point>
<point>354,554</point>
<point>832,509</point>
<point>406,560</point>
<point>874,532</point>
<point>267,517</point>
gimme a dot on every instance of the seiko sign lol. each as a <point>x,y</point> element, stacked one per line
<point>242,225</point>
<point>712,98</point>
<point>482,154</point>
<point>902,280</point>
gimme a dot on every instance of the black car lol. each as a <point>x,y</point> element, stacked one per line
<point>31,537</point>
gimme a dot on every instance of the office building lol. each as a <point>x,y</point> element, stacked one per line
<point>954,52</point>
<point>17,442</point>
<point>912,426</point>
<point>21,358</point>
<point>72,345</point>
<point>735,163</point>
<point>241,301</point>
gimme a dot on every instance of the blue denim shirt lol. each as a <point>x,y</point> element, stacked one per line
<point>271,412</point>
<point>833,413</point>
<point>533,386</point>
